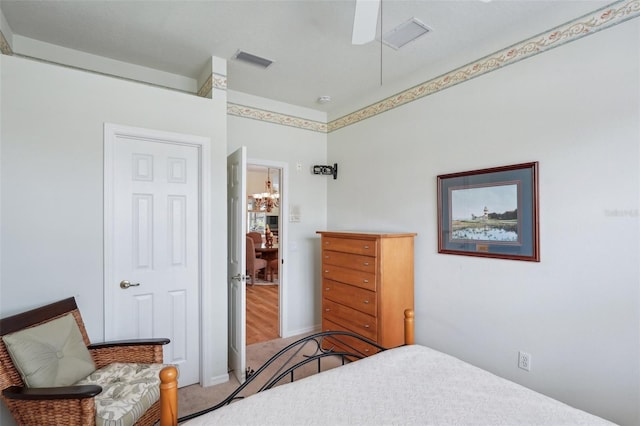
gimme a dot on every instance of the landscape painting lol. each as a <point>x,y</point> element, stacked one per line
<point>490,212</point>
<point>485,213</point>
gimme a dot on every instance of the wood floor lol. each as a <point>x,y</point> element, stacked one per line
<point>262,313</point>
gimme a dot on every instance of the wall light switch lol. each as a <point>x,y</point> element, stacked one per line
<point>294,214</point>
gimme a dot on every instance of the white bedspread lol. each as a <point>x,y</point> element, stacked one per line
<point>407,385</point>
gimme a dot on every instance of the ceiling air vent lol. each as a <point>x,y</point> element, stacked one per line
<point>252,59</point>
<point>405,33</point>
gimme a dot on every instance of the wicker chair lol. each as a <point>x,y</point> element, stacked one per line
<point>69,405</point>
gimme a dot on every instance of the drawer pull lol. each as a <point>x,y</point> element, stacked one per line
<point>366,263</point>
<point>366,326</point>
<point>366,302</point>
<point>327,310</point>
<point>327,289</point>
<point>365,281</point>
<point>326,271</point>
<point>326,257</point>
<point>366,247</point>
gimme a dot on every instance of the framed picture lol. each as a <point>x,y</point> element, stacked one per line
<point>490,213</point>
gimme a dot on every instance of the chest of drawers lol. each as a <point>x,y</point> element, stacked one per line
<point>367,283</point>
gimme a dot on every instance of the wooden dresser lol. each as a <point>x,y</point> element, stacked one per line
<point>367,283</point>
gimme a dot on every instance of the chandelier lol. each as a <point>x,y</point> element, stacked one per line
<point>270,198</point>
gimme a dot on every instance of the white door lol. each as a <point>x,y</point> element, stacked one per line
<point>237,230</point>
<point>154,259</point>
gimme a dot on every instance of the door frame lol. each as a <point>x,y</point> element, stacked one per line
<point>283,233</point>
<point>203,144</point>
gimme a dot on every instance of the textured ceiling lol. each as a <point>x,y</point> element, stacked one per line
<point>309,40</point>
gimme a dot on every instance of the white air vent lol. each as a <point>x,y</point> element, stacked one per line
<point>405,33</point>
<point>252,59</point>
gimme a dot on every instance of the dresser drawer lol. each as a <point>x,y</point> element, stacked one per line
<point>349,245</point>
<point>344,342</point>
<point>356,321</point>
<point>348,295</point>
<point>367,279</point>
<point>349,260</point>
<point>350,276</point>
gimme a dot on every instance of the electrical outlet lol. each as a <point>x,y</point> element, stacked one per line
<point>524,361</point>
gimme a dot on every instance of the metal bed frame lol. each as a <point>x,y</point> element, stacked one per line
<point>345,351</point>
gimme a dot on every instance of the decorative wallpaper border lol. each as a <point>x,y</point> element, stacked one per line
<point>591,23</point>
<point>606,17</point>
<point>275,117</point>
<point>219,81</point>
<point>5,48</point>
<point>203,91</point>
<point>215,81</point>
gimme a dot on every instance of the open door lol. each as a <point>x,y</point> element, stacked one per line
<point>236,245</point>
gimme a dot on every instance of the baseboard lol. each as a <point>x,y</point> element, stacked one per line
<point>307,330</point>
<point>216,380</point>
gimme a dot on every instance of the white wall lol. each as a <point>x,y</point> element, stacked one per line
<point>52,183</point>
<point>276,142</point>
<point>255,181</point>
<point>576,110</point>
<point>61,55</point>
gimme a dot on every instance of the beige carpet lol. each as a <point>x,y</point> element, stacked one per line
<point>195,398</point>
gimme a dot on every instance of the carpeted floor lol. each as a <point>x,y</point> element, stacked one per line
<point>195,398</point>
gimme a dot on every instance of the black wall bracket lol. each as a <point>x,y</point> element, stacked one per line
<point>326,170</point>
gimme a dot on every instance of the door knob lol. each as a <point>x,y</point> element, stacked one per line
<point>239,277</point>
<point>126,284</point>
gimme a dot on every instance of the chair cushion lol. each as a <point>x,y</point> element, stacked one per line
<point>128,390</point>
<point>51,354</point>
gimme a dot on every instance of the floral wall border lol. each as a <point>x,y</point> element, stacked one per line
<point>275,117</point>
<point>215,81</point>
<point>5,47</point>
<point>603,18</point>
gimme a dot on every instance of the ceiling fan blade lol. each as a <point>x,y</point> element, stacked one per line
<point>365,21</point>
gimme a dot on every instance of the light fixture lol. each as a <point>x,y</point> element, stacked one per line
<point>270,198</point>
<point>324,99</point>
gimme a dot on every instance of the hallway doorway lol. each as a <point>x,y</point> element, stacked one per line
<point>264,218</point>
<point>262,313</point>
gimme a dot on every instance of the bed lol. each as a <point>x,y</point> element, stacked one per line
<point>411,384</point>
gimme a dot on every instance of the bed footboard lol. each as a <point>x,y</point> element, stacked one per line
<point>292,358</point>
<point>169,396</point>
<point>409,325</point>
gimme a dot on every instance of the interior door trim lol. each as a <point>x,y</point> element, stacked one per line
<point>283,236</point>
<point>111,133</point>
